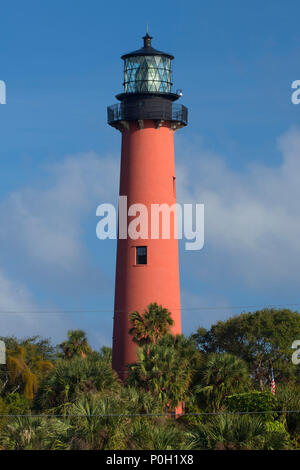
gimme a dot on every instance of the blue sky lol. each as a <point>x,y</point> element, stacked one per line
<point>235,62</point>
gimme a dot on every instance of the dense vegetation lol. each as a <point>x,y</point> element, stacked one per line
<point>68,396</point>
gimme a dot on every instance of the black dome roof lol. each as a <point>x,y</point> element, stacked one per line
<point>147,49</point>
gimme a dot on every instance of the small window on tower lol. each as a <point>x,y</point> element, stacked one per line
<point>174,185</point>
<point>141,255</point>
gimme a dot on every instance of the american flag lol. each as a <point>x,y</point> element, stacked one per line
<point>273,386</point>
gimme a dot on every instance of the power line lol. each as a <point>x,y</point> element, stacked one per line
<point>52,312</point>
<point>130,415</point>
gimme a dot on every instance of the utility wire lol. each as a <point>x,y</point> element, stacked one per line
<point>46,312</point>
<point>125,415</point>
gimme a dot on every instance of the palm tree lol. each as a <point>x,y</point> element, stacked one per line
<point>139,401</point>
<point>163,371</point>
<point>34,433</point>
<point>158,434</point>
<point>76,345</point>
<point>73,378</point>
<point>106,354</point>
<point>288,398</point>
<point>98,423</point>
<point>236,432</point>
<point>154,323</point>
<point>221,375</point>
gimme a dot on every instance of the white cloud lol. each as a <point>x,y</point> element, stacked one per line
<point>20,315</point>
<point>45,235</point>
<point>44,227</point>
<point>252,218</point>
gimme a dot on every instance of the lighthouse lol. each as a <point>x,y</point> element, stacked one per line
<point>147,267</point>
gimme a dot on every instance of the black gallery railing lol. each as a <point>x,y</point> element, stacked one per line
<point>147,110</point>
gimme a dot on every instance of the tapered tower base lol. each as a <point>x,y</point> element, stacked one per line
<point>147,177</point>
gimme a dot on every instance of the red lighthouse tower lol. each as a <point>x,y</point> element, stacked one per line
<point>147,268</point>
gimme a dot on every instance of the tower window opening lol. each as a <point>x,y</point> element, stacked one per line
<point>174,185</point>
<point>141,255</point>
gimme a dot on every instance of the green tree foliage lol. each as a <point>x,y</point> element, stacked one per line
<point>34,345</point>
<point>261,338</point>
<point>154,323</point>
<point>17,403</point>
<point>34,433</point>
<point>288,399</point>
<point>163,369</point>
<point>98,426</point>
<point>236,432</point>
<point>72,378</point>
<point>221,375</point>
<point>137,401</point>
<point>106,354</point>
<point>25,364</point>
<point>253,401</point>
<point>90,408</point>
<point>76,345</point>
<point>27,361</point>
<point>158,434</point>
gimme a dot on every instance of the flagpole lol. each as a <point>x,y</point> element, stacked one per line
<point>273,385</point>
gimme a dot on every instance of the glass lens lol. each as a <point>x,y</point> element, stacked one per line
<point>147,74</point>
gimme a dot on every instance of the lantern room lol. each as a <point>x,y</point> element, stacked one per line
<point>147,70</point>
<point>147,93</point>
